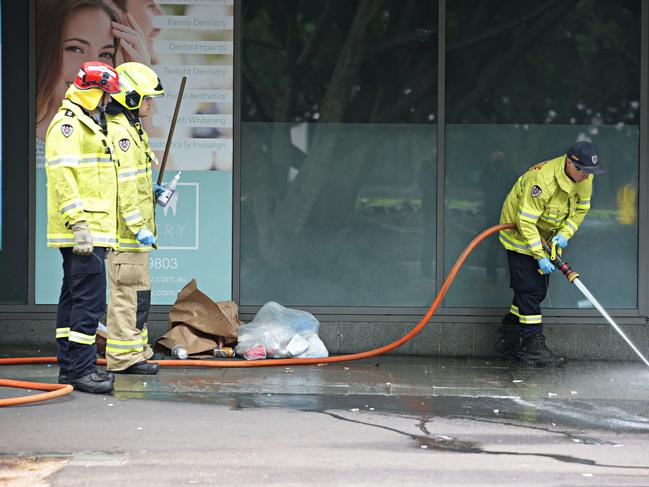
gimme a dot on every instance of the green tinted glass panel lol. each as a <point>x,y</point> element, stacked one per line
<point>338,152</point>
<point>525,80</point>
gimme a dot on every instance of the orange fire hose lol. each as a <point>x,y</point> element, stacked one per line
<point>269,362</point>
<point>56,390</point>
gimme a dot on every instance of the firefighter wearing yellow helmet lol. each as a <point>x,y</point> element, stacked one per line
<point>129,279</point>
<point>82,220</point>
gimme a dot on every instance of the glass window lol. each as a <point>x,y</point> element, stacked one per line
<point>525,79</point>
<point>338,158</point>
<point>13,156</point>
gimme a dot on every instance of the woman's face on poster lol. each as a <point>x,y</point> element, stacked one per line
<point>87,36</point>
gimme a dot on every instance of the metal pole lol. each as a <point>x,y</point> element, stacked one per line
<point>171,129</point>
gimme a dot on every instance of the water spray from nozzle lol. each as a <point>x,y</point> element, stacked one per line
<point>573,278</point>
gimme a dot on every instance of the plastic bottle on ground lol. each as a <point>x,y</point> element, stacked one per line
<point>179,352</point>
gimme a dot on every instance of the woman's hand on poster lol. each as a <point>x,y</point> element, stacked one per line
<point>132,40</point>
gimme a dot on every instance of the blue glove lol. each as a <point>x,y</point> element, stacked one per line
<point>546,265</point>
<point>157,190</point>
<point>145,237</point>
<point>561,241</point>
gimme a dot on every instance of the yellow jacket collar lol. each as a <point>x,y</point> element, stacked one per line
<point>565,183</point>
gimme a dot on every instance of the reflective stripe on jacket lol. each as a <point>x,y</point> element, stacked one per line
<point>544,202</point>
<point>135,182</point>
<point>81,179</point>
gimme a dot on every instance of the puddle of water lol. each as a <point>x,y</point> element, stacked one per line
<point>449,444</point>
<point>618,416</point>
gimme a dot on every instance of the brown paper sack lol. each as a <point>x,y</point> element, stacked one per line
<point>198,323</point>
<point>193,340</point>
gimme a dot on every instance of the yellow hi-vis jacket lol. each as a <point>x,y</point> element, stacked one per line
<point>544,202</point>
<point>81,179</point>
<point>135,180</point>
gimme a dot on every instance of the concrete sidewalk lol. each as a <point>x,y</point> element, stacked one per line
<point>370,422</point>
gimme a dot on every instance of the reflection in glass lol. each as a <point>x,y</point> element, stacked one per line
<point>338,153</point>
<point>525,80</point>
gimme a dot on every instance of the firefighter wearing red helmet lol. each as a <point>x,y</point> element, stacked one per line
<point>97,75</point>
<point>82,219</point>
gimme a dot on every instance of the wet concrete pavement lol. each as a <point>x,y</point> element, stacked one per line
<point>389,420</point>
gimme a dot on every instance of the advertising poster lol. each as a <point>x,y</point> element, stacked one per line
<point>192,38</point>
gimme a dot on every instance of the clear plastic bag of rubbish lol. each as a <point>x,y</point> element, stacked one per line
<point>316,348</point>
<point>298,321</point>
<point>282,332</point>
<point>273,337</point>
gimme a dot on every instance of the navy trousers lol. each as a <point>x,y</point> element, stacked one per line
<point>81,306</point>
<point>530,289</point>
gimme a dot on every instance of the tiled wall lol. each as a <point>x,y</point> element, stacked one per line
<point>581,341</point>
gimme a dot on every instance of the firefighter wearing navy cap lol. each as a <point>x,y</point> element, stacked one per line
<point>82,220</point>
<point>549,202</point>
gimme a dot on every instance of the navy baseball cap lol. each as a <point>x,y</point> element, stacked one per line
<point>585,156</point>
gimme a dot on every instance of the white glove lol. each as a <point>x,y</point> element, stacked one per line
<point>83,244</point>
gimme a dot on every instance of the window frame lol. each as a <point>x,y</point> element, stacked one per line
<point>640,315</point>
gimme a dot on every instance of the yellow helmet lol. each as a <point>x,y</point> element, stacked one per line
<point>136,81</point>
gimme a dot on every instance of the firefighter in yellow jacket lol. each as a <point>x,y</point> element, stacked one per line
<point>82,220</point>
<point>128,268</point>
<point>549,201</point>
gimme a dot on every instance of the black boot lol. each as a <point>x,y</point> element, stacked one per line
<point>141,368</point>
<point>537,353</point>
<point>64,379</point>
<point>93,383</point>
<point>510,343</point>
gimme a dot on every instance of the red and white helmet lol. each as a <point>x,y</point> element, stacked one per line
<point>97,75</point>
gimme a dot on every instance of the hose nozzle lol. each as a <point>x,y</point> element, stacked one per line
<point>557,260</point>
